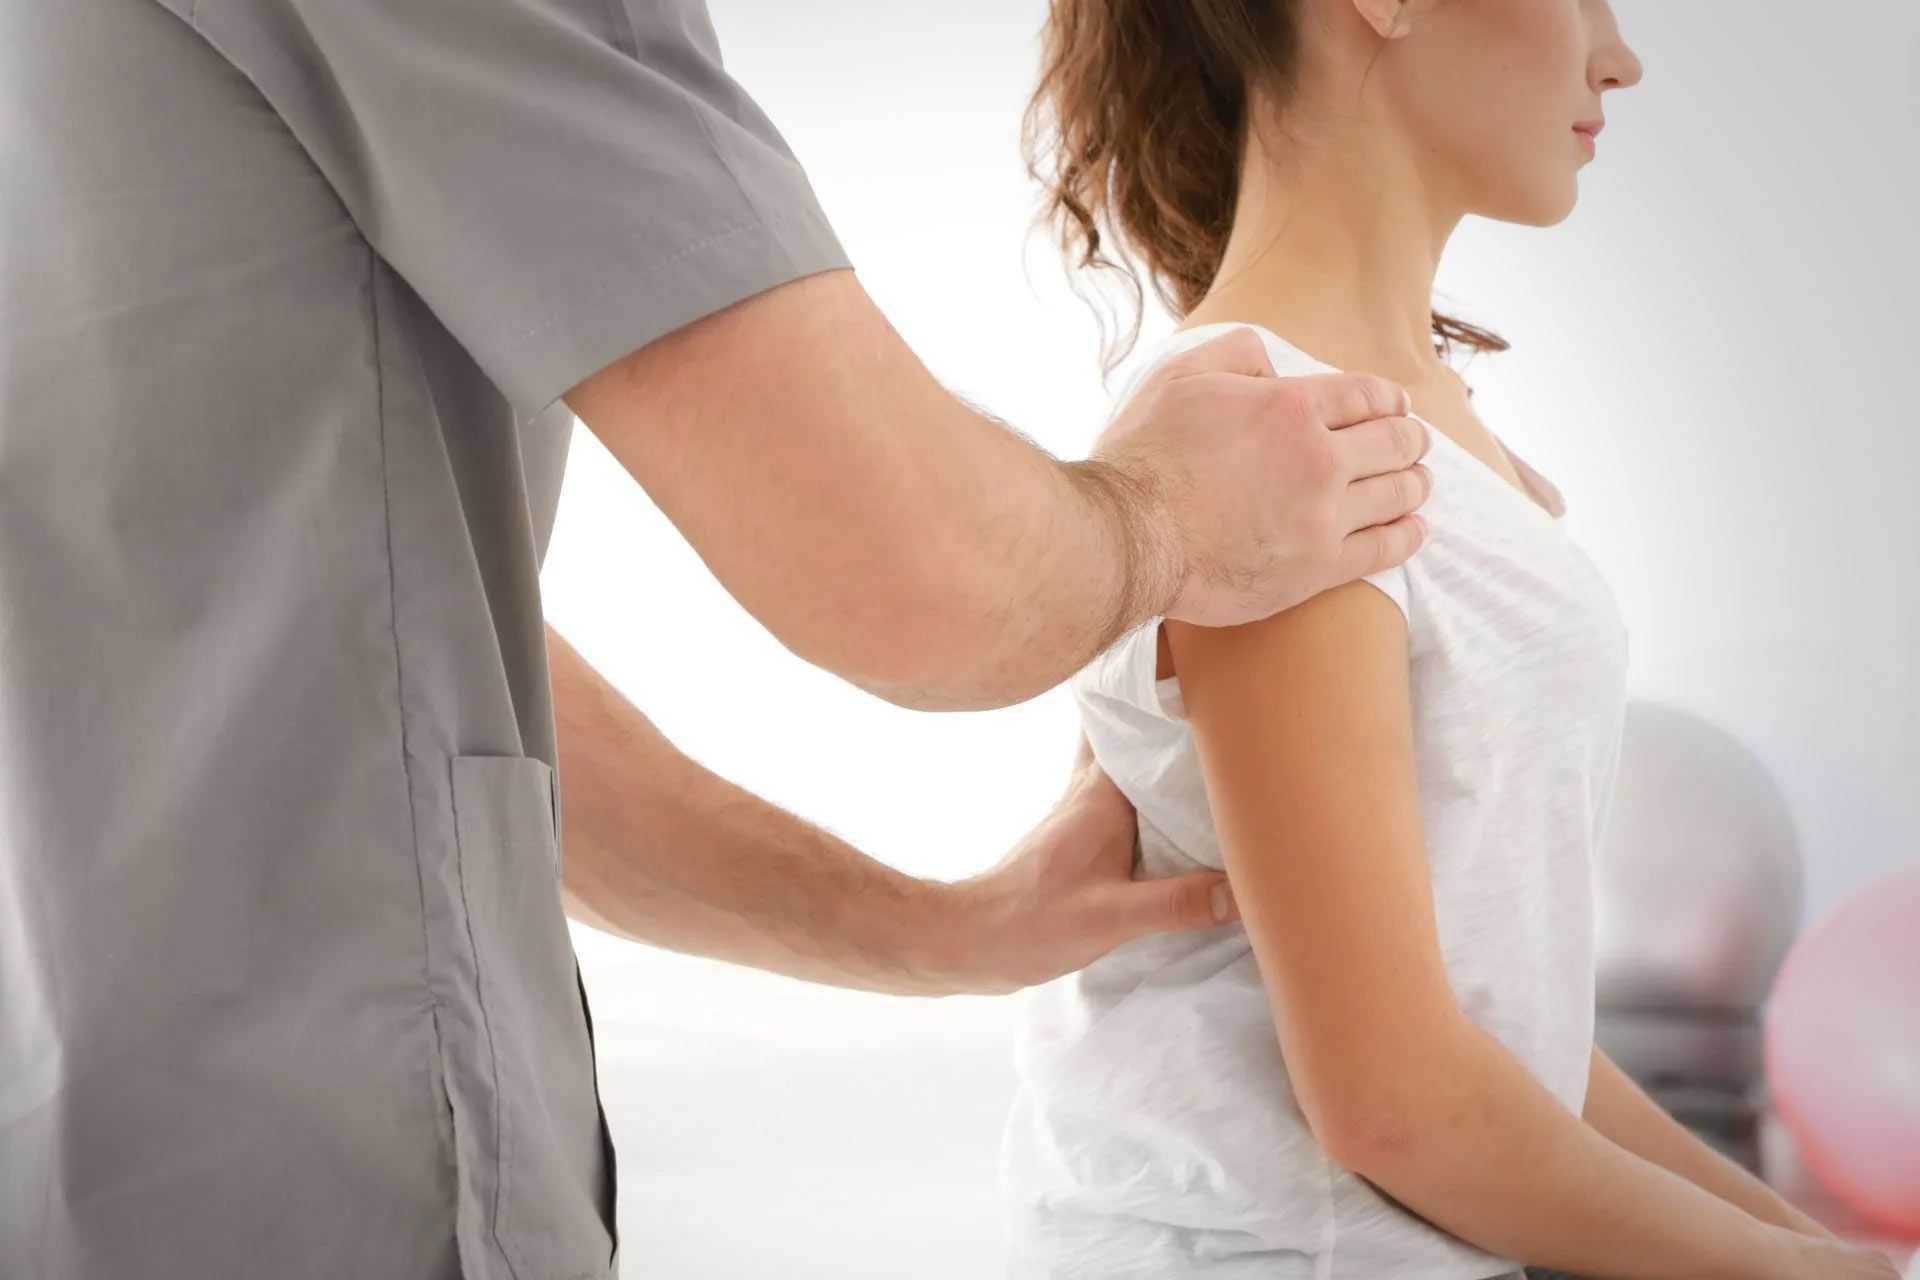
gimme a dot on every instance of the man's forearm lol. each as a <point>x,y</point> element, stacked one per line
<point>1046,566</point>
<point>879,527</point>
<point>1622,1111</point>
<point>661,851</point>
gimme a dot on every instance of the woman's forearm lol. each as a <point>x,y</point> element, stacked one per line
<point>1621,1111</point>
<point>1490,1155</point>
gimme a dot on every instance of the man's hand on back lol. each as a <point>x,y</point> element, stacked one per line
<point>1065,895</point>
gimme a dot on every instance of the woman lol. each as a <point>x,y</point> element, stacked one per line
<point>1387,1068</point>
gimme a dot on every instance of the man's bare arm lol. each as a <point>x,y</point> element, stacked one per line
<point>660,850</point>
<point>885,531</point>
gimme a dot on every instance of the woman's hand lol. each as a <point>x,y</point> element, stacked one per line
<point>1065,895</point>
<point>1806,1257</point>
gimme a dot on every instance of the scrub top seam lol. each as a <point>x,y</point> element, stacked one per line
<point>624,38</point>
<point>726,161</point>
<point>622,277</point>
<point>502,1147</point>
<point>435,1079</point>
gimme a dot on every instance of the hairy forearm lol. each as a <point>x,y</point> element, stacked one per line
<point>1619,1109</point>
<point>1490,1155</point>
<point>659,850</point>
<point>878,526</point>
<point>1023,528</point>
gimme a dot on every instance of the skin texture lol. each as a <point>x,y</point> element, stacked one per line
<point>662,851</point>
<point>1621,1110</point>
<point>889,533</point>
<point>1405,119</point>
<point>885,531</point>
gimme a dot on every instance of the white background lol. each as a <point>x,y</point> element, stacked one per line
<point>1714,359</point>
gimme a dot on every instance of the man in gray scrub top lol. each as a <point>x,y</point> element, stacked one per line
<point>295,297</point>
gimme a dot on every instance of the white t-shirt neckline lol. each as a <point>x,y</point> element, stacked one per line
<point>1446,441</point>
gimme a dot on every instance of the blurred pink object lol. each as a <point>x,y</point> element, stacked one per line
<point>1843,1050</point>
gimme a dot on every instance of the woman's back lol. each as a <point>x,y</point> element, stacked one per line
<point>1156,1132</point>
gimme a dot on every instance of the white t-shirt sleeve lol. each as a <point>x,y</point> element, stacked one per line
<point>1126,672</point>
<point>1392,584</point>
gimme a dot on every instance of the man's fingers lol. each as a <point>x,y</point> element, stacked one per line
<point>1348,399</point>
<point>1381,546</point>
<point>1384,499</point>
<point>1336,399</point>
<point>1176,904</point>
<point>1381,446</point>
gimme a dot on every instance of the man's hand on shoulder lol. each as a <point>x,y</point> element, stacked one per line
<point>1250,493</point>
<point>884,530</point>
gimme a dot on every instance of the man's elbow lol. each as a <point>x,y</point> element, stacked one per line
<point>580,909</point>
<point>933,640</point>
<point>936,676</point>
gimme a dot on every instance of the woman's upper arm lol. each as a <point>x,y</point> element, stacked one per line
<point>1305,734</point>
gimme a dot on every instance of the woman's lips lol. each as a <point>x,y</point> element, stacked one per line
<point>1587,131</point>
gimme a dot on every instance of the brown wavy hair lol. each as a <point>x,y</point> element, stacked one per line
<point>1136,131</point>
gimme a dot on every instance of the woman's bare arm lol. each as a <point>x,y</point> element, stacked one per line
<point>1622,1111</point>
<point>1304,728</point>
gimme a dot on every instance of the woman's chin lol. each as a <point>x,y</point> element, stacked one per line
<point>1544,207</point>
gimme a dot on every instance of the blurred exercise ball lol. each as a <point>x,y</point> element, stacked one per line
<point>1696,898</point>
<point>1843,1050</point>
<point>1698,882</point>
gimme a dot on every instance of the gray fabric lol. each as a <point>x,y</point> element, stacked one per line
<point>288,290</point>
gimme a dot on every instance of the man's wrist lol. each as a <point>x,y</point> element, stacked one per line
<point>1149,552</point>
<point>952,944</point>
<point>934,950</point>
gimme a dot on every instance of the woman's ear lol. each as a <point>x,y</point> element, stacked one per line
<point>1388,18</point>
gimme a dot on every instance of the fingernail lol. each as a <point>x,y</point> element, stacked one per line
<point>1222,898</point>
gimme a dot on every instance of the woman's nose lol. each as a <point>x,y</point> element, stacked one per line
<point>1614,64</point>
<point>1621,70</point>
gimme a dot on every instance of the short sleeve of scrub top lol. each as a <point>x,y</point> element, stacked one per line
<point>560,180</point>
<point>290,292</point>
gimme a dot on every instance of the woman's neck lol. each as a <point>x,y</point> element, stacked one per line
<point>1334,246</point>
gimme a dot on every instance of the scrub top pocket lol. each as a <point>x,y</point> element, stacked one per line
<point>545,1191</point>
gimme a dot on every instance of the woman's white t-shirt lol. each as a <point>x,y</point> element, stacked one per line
<point>1155,1134</point>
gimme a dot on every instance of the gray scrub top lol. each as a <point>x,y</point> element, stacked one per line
<point>288,292</point>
